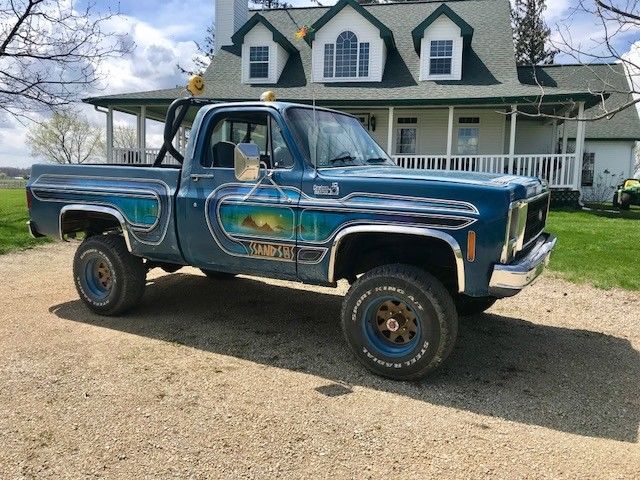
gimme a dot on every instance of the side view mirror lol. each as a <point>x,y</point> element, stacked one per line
<point>246,162</point>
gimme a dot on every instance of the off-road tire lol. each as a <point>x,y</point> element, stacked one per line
<point>468,306</point>
<point>127,275</point>
<point>625,201</point>
<point>213,275</point>
<point>422,294</point>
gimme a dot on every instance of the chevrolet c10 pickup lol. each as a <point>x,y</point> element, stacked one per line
<point>300,193</point>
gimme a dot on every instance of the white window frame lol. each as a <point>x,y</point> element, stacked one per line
<point>407,122</point>
<point>456,58</point>
<point>357,76</point>
<point>450,57</point>
<point>268,62</point>
<point>475,127</point>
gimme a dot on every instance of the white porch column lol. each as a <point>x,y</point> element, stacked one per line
<point>580,136</point>
<point>512,137</point>
<point>449,138</point>
<point>183,140</point>
<point>142,129</point>
<point>109,135</point>
<point>390,132</point>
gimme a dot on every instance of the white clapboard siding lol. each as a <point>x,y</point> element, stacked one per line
<point>230,15</point>
<point>441,29</point>
<point>260,36</point>
<point>349,19</point>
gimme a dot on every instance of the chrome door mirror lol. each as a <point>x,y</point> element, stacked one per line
<point>246,162</point>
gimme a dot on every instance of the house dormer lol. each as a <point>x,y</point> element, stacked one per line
<point>349,44</point>
<point>265,51</point>
<point>441,40</point>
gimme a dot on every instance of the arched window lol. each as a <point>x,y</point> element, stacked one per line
<point>346,58</point>
<point>346,54</point>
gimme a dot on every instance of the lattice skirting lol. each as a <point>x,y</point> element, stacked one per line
<point>565,199</point>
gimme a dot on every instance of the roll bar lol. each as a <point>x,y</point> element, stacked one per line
<point>175,115</point>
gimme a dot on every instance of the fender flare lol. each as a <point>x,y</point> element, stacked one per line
<point>97,209</point>
<point>395,229</point>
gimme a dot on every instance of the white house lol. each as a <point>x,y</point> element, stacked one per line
<point>435,83</point>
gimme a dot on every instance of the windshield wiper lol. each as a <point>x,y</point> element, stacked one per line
<point>376,160</point>
<point>343,158</point>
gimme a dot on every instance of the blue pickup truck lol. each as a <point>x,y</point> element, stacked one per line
<point>300,193</point>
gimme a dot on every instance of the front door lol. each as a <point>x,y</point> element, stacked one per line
<point>242,227</point>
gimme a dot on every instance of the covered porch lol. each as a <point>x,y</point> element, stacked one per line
<point>496,139</point>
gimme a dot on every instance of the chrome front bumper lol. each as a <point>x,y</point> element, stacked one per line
<point>508,280</point>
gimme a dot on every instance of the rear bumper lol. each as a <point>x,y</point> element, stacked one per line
<point>508,280</point>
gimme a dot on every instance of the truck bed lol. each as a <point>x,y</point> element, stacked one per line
<point>141,198</point>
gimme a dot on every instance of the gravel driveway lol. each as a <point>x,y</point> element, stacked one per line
<point>251,378</point>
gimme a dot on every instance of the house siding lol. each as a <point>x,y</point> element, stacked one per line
<point>349,19</point>
<point>532,136</point>
<point>614,162</point>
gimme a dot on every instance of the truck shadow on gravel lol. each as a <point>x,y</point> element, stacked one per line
<point>574,381</point>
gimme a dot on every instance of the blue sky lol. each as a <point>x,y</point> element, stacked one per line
<point>164,33</point>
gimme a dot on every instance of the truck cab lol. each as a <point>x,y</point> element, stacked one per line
<point>301,193</point>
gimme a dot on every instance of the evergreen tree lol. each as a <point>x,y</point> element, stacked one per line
<point>531,33</point>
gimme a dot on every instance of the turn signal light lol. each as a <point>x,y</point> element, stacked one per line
<point>471,246</point>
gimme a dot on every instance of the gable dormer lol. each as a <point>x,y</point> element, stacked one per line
<point>440,40</point>
<point>265,50</point>
<point>349,44</point>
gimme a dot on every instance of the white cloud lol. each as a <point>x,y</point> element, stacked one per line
<point>151,65</point>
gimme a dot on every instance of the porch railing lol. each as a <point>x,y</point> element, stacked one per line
<point>134,156</point>
<point>557,170</point>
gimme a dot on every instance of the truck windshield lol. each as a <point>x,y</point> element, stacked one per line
<point>330,139</point>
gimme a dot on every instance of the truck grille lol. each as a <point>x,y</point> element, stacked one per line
<point>536,217</point>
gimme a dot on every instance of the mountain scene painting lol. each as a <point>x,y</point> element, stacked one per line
<point>258,221</point>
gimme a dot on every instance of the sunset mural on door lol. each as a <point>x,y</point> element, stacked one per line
<point>258,221</point>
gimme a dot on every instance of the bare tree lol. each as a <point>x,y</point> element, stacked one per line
<point>206,52</point>
<point>66,138</point>
<point>50,52</point>
<point>614,21</point>
<point>125,136</point>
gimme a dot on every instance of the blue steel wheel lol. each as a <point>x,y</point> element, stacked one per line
<point>392,326</point>
<point>98,278</point>
<point>109,279</point>
<point>400,321</point>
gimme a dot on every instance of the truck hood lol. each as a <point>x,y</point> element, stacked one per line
<point>524,186</point>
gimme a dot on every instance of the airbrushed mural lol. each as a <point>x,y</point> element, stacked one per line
<point>144,204</point>
<point>287,224</point>
<point>257,220</point>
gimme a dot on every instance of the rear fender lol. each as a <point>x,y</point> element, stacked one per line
<point>99,209</point>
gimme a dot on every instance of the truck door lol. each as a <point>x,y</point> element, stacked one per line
<point>242,227</point>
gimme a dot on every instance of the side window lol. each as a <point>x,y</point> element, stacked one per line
<point>229,130</point>
<point>282,157</point>
<point>247,127</point>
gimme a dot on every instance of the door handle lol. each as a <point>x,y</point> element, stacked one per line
<point>197,176</point>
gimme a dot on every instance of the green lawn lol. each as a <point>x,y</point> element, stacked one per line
<point>13,222</point>
<point>601,248</point>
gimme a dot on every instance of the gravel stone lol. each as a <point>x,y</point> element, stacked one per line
<point>251,378</point>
